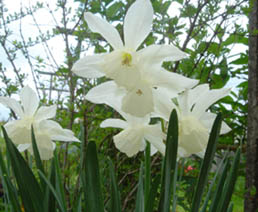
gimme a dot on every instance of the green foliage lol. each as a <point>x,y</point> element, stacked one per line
<point>206,30</point>
<point>51,191</point>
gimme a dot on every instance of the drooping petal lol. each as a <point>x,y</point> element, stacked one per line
<point>130,141</point>
<point>209,98</point>
<point>153,150</point>
<point>18,132</point>
<point>89,66</point>
<point>155,136</point>
<point>13,105</point>
<point>139,101</point>
<point>55,131</point>
<point>163,104</point>
<point>107,93</point>
<point>23,147</point>
<point>45,112</point>
<point>137,23</point>
<point>30,101</point>
<point>188,98</point>
<point>175,83</point>
<point>156,54</point>
<point>45,146</point>
<point>101,26</point>
<point>116,123</point>
<point>133,120</point>
<point>194,142</point>
<point>208,119</point>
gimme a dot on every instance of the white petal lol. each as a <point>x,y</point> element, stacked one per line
<point>208,119</point>
<point>137,23</point>
<point>153,150</point>
<point>45,147</point>
<point>107,93</point>
<point>55,131</point>
<point>155,136</point>
<point>89,66</point>
<point>133,120</point>
<point>163,104</point>
<point>138,102</point>
<point>130,141</point>
<point>30,101</point>
<point>175,83</point>
<point>45,112</point>
<point>208,98</point>
<point>188,99</point>
<point>18,132</point>
<point>156,54</point>
<point>194,142</point>
<point>102,27</point>
<point>116,123</point>
<point>23,147</point>
<point>13,105</point>
<point>224,128</point>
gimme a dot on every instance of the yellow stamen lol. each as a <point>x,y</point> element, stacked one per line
<point>139,92</point>
<point>126,59</point>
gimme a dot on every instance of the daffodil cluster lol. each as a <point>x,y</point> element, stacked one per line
<point>139,88</point>
<point>30,115</point>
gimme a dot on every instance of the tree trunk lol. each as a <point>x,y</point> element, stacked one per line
<point>251,196</point>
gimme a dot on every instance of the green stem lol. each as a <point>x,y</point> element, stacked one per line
<point>147,174</point>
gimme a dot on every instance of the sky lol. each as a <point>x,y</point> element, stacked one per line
<point>56,45</point>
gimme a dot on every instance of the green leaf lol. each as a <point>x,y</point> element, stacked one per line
<point>140,195</point>
<point>9,190</point>
<point>115,195</point>
<point>114,9</point>
<point>147,173</point>
<point>230,208</point>
<point>50,203</point>
<point>29,188</point>
<point>209,193</point>
<point>59,184</point>
<point>152,194</point>
<point>58,199</point>
<point>206,164</point>
<point>229,184</point>
<point>37,158</point>
<point>92,189</point>
<point>169,163</point>
<point>217,194</point>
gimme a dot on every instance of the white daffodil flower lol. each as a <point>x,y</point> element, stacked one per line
<point>135,130</point>
<point>147,95</point>
<point>139,72</point>
<point>195,122</point>
<point>29,115</point>
<point>135,133</point>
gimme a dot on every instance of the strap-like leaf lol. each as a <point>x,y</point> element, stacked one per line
<point>147,173</point>
<point>115,195</point>
<point>58,199</point>
<point>169,163</point>
<point>152,194</point>
<point>92,189</point>
<point>140,195</point>
<point>29,188</point>
<point>229,184</point>
<point>217,194</point>
<point>206,164</point>
<point>9,189</point>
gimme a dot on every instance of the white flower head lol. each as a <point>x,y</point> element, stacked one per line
<point>135,133</point>
<point>30,115</point>
<point>195,122</point>
<point>139,72</point>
